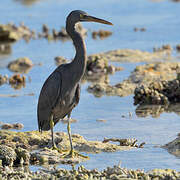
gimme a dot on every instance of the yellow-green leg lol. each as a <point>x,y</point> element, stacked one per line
<point>52,132</point>
<point>69,134</point>
<point>54,147</point>
<point>72,152</point>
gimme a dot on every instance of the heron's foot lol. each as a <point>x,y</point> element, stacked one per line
<point>75,154</point>
<point>62,151</point>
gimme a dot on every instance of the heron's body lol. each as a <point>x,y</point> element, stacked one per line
<point>51,99</point>
<point>61,91</point>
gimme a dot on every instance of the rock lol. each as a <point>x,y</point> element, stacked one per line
<point>125,142</point>
<point>12,126</point>
<point>98,66</point>
<point>17,81</point>
<point>5,48</point>
<point>11,32</point>
<point>162,92</point>
<point>7,155</point>
<point>63,34</point>
<point>38,145</point>
<point>115,172</point>
<point>3,79</point>
<point>97,89</point>
<point>111,69</point>
<point>23,156</point>
<point>119,68</point>
<point>139,29</point>
<point>121,89</point>
<point>21,65</point>
<point>8,34</point>
<point>60,60</point>
<point>166,48</point>
<point>18,126</point>
<point>178,47</point>
<point>130,55</point>
<point>101,33</point>
<point>45,29</point>
<point>163,174</point>
<point>101,120</point>
<point>173,147</point>
<point>65,120</point>
<point>138,83</point>
<point>7,126</point>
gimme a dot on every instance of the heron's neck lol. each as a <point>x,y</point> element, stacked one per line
<point>79,62</point>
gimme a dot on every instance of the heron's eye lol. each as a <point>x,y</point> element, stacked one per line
<point>81,16</point>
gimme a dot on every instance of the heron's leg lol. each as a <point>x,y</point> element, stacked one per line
<point>54,147</point>
<point>52,132</point>
<point>72,152</point>
<point>69,132</point>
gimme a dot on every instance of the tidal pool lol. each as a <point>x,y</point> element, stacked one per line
<point>162,27</point>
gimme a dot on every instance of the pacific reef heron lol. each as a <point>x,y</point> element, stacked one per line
<point>61,90</point>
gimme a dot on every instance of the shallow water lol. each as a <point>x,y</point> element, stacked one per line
<point>162,24</point>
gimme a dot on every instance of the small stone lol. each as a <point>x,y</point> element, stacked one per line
<point>178,47</point>
<point>18,126</point>
<point>17,81</point>
<point>60,60</point>
<point>111,69</point>
<point>3,79</point>
<point>143,29</point>
<point>101,33</point>
<point>101,120</point>
<point>136,29</point>
<point>22,65</point>
<point>7,126</point>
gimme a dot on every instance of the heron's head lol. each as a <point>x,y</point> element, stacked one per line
<point>81,16</point>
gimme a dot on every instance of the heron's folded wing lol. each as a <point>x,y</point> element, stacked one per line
<point>49,95</point>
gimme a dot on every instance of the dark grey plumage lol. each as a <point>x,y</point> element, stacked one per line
<point>61,91</point>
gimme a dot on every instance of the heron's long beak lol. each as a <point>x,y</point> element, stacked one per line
<point>94,19</point>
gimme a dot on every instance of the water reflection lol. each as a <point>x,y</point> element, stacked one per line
<point>156,110</point>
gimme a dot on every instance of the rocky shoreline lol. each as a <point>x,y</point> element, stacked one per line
<point>19,150</point>
<point>115,173</point>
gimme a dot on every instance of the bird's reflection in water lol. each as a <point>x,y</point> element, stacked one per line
<point>156,110</point>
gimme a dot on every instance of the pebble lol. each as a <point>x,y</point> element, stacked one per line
<point>21,65</point>
<point>101,34</point>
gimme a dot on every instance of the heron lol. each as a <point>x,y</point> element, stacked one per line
<point>60,92</point>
